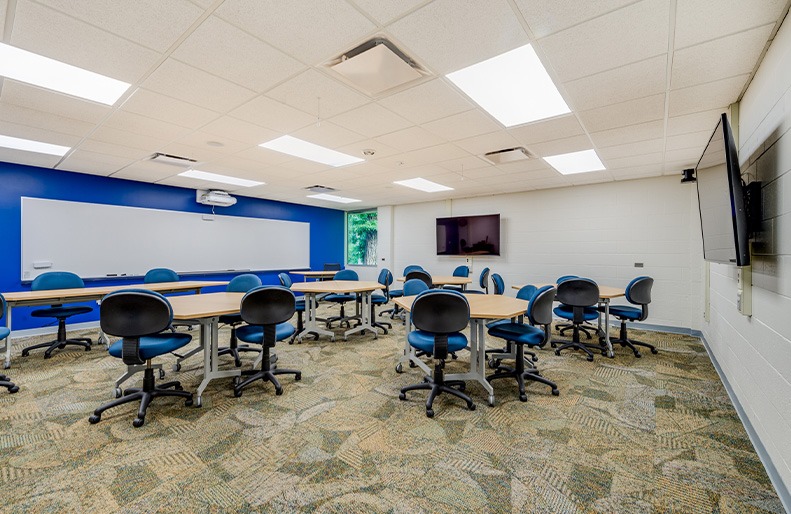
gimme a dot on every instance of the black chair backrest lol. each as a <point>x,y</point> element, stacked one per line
<point>411,267</point>
<point>268,305</point>
<point>638,292</point>
<point>420,274</point>
<point>483,282</point>
<point>539,311</point>
<point>578,293</point>
<point>332,266</point>
<point>440,311</point>
<point>385,278</point>
<point>499,283</point>
<point>134,313</point>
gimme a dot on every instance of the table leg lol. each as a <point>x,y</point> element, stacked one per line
<point>477,359</point>
<point>365,316</point>
<point>209,341</point>
<point>409,352</point>
<point>610,353</point>
<point>311,320</point>
<point>7,362</point>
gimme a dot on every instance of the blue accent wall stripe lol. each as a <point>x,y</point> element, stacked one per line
<point>326,225</point>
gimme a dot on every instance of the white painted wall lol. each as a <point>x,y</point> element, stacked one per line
<point>755,353</point>
<point>597,231</point>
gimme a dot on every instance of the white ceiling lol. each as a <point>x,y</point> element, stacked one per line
<point>646,81</point>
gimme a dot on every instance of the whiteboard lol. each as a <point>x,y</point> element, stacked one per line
<point>96,240</point>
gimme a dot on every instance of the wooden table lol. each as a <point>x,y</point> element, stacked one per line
<point>85,294</point>
<point>483,307</point>
<point>312,289</point>
<point>606,293</point>
<point>446,280</point>
<point>206,309</point>
<point>319,275</point>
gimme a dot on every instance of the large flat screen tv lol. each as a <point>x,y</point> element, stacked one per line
<point>469,235</point>
<point>721,198</point>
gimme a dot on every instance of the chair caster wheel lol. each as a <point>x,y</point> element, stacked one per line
<point>87,348</point>
<point>14,389</point>
<point>188,402</point>
<point>177,366</point>
<point>452,355</point>
<point>471,406</point>
<point>590,358</point>
<point>178,388</point>
<point>463,387</point>
<point>138,422</point>
<point>95,418</point>
<point>557,352</point>
<point>47,356</point>
<point>279,391</point>
<point>412,364</point>
<point>399,368</point>
<point>637,354</point>
<point>654,351</point>
<point>161,373</point>
<point>493,363</point>
<point>534,358</point>
<point>61,346</point>
<point>555,392</point>
<point>402,396</point>
<point>237,393</point>
<point>522,397</point>
<point>118,392</point>
<point>25,353</point>
<point>298,376</point>
<point>429,413</point>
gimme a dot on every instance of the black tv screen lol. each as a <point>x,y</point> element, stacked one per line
<point>469,235</point>
<point>723,217</point>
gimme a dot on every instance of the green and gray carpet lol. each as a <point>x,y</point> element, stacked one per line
<point>656,434</point>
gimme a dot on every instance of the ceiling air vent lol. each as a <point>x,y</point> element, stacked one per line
<point>507,155</point>
<point>172,160</point>
<point>320,189</point>
<point>376,66</point>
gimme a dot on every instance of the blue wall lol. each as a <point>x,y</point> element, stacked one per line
<point>16,181</point>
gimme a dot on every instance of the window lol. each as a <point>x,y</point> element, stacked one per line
<point>361,236</point>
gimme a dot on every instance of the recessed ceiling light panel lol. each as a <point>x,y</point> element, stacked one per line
<point>334,198</point>
<point>514,87</point>
<point>223,179</point>
<point>576,162</point>
<point>298,148</point>
<point>29,145</point>
<point>41,71</point>
<point>422,184</point>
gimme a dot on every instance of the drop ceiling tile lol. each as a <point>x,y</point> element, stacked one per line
<point>449,35</point>
<point>561,146</point>
<point>380,149</point>
<point>8,128</point>
<point>547,130</point>
<point>151,23</point>
<point>721,18</point>
<point>636,80</point>
<point>223,168</point>
<point>465,164</point>
<point>43,120</point>
<point>3,7</point>
<point>705,63</point>
<point>690,140</point>
<point>593,177</point>
<point>317,94</point>
<point>531,165</point>
<point>264,156</point>
<point>462,126</point>
<point>384,11</point>
<point>410,139</point>
<point>273,115</point>
<point>629,134</point>
<point>303,166</point>
<point>191,183</point>
<point>126,152</point>
<point>138,124</point>
<point>694,122</point>
<point>428,101</point>
<point>624,114</point>
<point>114,136</point>
<point>223,50</point>
<point>486,174</point>
<point>546,17</point>
<point>239,130</point>
<point>651,170</point>
<point>492,142</point>
<point>439,153</point>
<point>325,28</point>
<point>28,158</point>
<point>201,154</point>
<point>327,134</point>
<point>201,139</point>
<point>160,107</point>
<point>17,93</point>
<point>53,34</point>
<point>704,97</point>
<point>684,154</point>
<point>629,149</point>
<point>82,161</point>
<point>234,162</point>
<point>635,161</point>
<point>371,120</point>
<point>628,35</point>
<point>179,80</point>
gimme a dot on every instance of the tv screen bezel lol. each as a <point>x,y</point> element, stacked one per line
<point>499,234</point>
<point>739,218</point>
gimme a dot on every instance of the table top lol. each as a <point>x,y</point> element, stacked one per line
<point>605,292</point>
<point>315,274</point>
<point>205,305</point>
<point>336,286</point>
<point>99,291</point>
<point>446,280</point>
<point>482,306</point>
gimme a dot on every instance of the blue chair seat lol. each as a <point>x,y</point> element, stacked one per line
<point>395,293</point>
<point>230,318</point>
<point>564,311</point>
<point>626,312</point>
<point>378,299</point>
<point>496,322</point>
<point>300,305</point>
<point>57,312</point>
<point>424,341</point>
<point>155,345</point>
<point>255,334</point>
<point>518,332</point>
<point>4,332</point>
<point>340,297</point>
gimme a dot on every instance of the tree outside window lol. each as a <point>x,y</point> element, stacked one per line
<point>361,236</point>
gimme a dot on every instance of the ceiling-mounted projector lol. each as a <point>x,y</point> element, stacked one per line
<point>215,197</point>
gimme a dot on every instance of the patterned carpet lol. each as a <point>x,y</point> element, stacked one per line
<point>656,434</point>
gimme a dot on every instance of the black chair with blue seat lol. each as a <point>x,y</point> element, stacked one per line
<point>638,292</point>
<point>460,271</point>
<point>385,278</point>
<point>498,283</point>
<point>577,296</point>
<point>420,274</point>
<point>342,298</point>
<point>238,284</point>
<point>332,266</point>
<point>398,293</point>
<point>59,280</point>
<point>285,281</point>
<point>562,328</point>
<point>266,310</point>
<point>525,293</point>
<point>5,381</point>
<point>483,283</point>
<point>536,333</point>
<point>439,317</point>
<point>143,320</point>
<point>160,275</point>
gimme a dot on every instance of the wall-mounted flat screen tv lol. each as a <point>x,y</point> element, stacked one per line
<point>723,216</point>
<point>469,235</point>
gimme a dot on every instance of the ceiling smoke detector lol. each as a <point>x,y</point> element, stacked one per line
<point>507,155</point>
<point>320,189</point>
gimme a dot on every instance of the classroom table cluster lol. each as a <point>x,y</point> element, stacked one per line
<point>435,310</point>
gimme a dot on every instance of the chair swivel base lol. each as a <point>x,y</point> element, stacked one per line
<point>495,356</point>
<point>576,345</point>
<point>624,341</point>
<point>520,374</point>
<point>562,329</point>
<point>436,385</point>
<point>5,381</point>
<point>146,394</point>
<point>59,344</point>
<point>266,373</point>
<point>234,350</point>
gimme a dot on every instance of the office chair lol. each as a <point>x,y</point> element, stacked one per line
<point>483,283</point>
<point>562,328</point>
<point>5,381</point>
<point>460,271</point>
<point>638,292</point>
<point>420,274</point>
<point>397,293</point>
<point>498,283</point>
<point>412,267</point>
<point>266,310</point>
<point>534,334</point>
<point>525,293</point>
<point>238,284</point>
<point>285,281</point>
<point>332,266</point>
<point>160,275</point>
<point>575,295</point>
<point>342,298</point>
<point>58,280</point>
<point>439,317</point>
<point>385,278</point>
<point>142,319</point>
